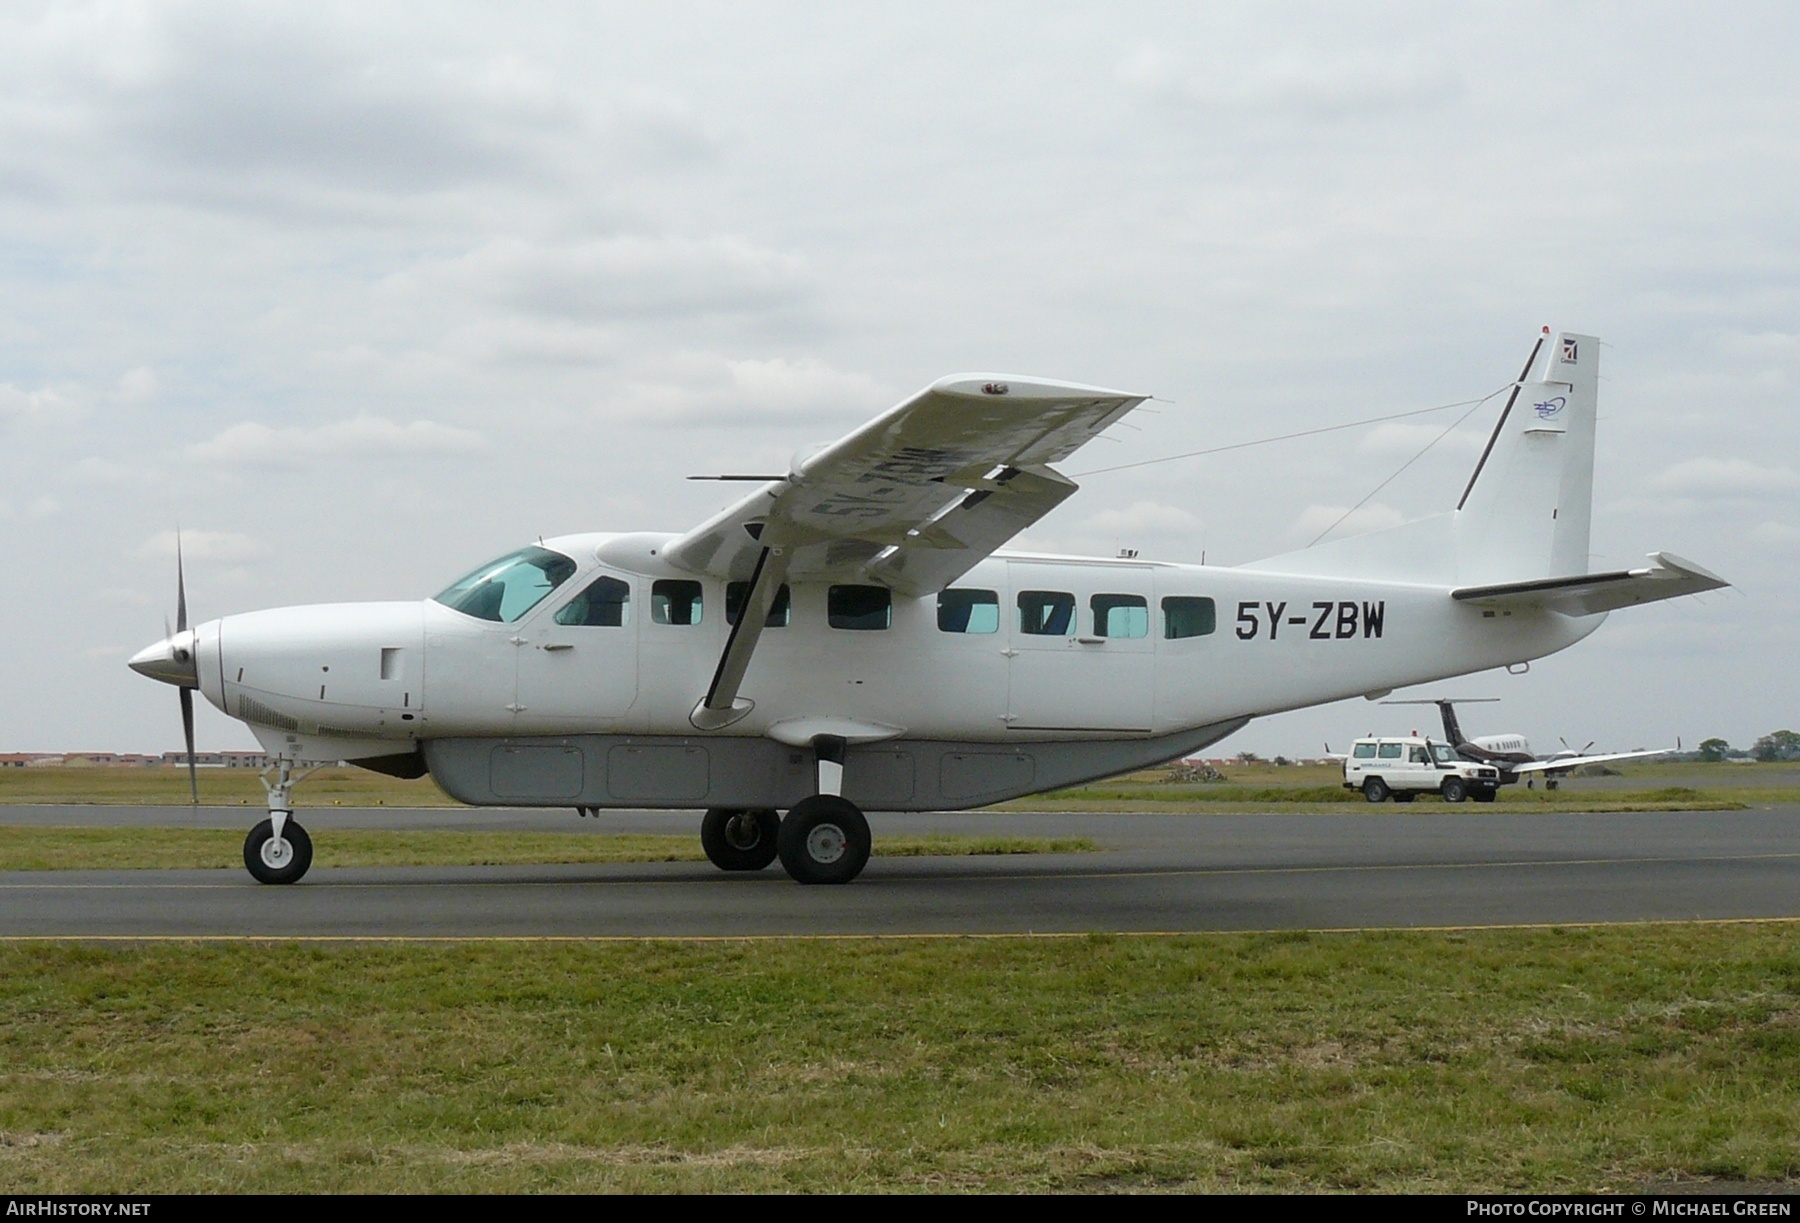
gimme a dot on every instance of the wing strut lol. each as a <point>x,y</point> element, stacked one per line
<point>721,706</point>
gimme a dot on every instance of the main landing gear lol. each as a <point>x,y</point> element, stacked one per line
<point>824,838</point>
<point>278,849</point>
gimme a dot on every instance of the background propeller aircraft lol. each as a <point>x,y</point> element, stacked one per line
<point>850,636</point>
<point>1511,753</point>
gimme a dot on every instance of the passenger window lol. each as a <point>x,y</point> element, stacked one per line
<point>968,611</point>
<point>1184,616</point>
<point>1390,751</point>
<point>1046,613</point>
<point>1120,615</point>
<point>675,601</point>
<point>1365,751</point>
<point>1419,757</point>
<point>737,592</point>
<point>859,607</point>
<point>606,603</point>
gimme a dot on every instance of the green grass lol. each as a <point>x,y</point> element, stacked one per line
<point>1665,786</point>
<point>1120,797</point>
<point>56,848</point>
<point>160,786</point>
<point>1556,1060</point>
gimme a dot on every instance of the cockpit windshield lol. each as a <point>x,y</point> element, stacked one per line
<point>505,589</point>
<point>1443,753</point>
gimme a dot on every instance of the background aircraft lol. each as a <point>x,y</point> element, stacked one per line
<point>850,635</point>
<point>1511,753</point>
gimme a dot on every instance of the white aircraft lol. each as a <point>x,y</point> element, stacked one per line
<point>1511,753</point>
<point>850,636</point>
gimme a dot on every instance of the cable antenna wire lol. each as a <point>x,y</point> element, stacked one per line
<point>1471,404</point>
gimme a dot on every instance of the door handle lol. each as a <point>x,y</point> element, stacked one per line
<point>558,645</point>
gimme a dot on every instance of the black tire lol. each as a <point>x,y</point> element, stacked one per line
<point>736,839</point>
<point>1375,790</point>
<point>266,864</point>
<point>1455,789</point>
<point>824,839</point>
<point>1483,796</point>
<point>1404,796</point>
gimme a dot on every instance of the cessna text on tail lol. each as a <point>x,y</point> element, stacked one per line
<point>851,636</point>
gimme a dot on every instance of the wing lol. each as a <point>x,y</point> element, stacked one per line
<point>1666,577</point>
<point>913,500</point>
<point>1575,762</point>
<point>919,495</point>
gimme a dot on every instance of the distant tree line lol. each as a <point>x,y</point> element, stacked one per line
<point>1775,746</point>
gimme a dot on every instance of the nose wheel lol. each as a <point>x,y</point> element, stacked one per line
<point>277,857</point>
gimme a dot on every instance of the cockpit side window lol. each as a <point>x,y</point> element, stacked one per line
<point>606,603</point>
<point>505,589</point>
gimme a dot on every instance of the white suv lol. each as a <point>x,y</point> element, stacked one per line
<point>1408,767</point>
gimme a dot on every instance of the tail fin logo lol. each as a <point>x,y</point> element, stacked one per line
<point>1568,356</point>
<point>1551,408</point>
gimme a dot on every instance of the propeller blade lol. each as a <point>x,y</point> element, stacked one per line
<point>1590,743</point>
<point>187,731</point>
<point>180,589</point>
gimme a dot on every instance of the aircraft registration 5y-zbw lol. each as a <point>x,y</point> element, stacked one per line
<point>850,636</point>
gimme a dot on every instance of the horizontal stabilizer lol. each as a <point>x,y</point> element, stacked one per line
<point>1667,577</point>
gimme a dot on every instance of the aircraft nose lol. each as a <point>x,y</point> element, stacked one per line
<point>170,660</point>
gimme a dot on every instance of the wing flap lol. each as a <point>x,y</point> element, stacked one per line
<point>1666,577</point>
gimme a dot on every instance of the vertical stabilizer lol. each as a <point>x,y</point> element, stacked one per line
<point>1526,509</point>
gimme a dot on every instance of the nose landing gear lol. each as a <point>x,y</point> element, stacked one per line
<point>278,849</point>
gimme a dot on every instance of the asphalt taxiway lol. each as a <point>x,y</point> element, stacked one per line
<point>1382,869</point>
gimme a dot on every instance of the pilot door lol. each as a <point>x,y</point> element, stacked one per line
<point>578,663</point>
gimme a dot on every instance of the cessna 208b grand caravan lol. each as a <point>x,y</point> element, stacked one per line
<point>850,636</point>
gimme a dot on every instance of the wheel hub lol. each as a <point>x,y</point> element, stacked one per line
<point>826,844</point>
<point>277,852</point>
<point>742,831</point>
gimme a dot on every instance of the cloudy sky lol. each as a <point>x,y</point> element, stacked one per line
<point>360,295</point>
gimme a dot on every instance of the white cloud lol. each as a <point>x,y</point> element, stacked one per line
<point>622,277</point>
<point>1776,534</point>
<point>1298,80</point>
<point>362,437</point>
<point>1145,518</point>
<point>44,403</point>
<point>706,388</point>
<point>1316,518</point>
<point>1711,477</point>
<point>226,547</point>
<point>1396,439</point>
<point>137,385</point>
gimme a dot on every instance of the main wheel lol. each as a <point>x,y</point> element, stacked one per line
<point>1483,796</point>
<point>739,840</point>
<point>824,839</point>
<point>1405,796</point>
<point>1375,790</point>
<point>1455,789</point>
<point>278,861</point>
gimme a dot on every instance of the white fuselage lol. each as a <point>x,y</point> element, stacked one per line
<point>351,681</point>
